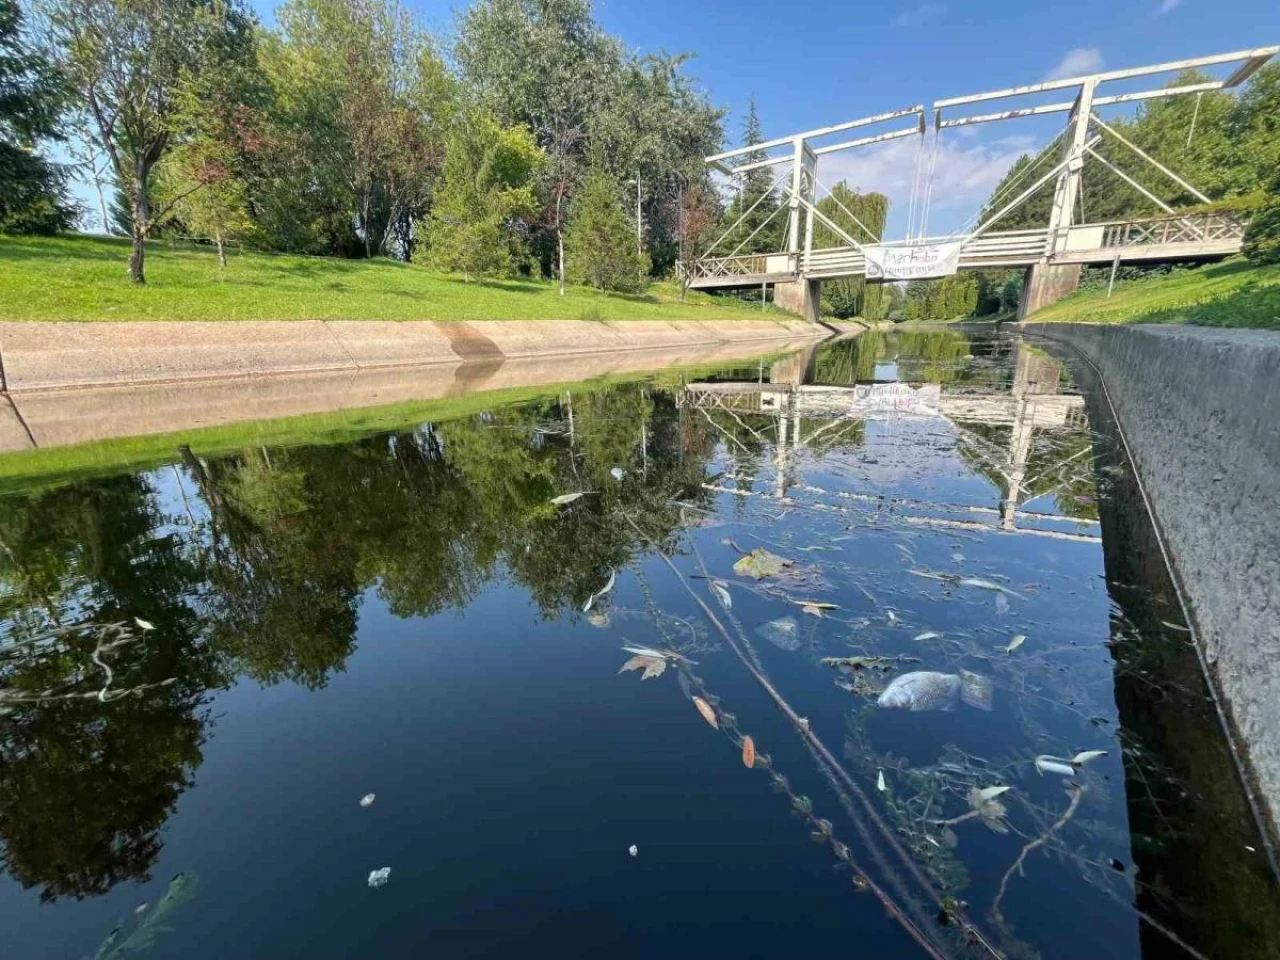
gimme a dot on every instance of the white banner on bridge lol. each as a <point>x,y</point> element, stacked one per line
<point>916,261</point>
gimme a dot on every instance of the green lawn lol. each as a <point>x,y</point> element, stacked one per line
<point>83,278</point>
<point>1230,294</point>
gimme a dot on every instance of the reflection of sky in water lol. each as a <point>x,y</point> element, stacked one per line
<point>514,766</point>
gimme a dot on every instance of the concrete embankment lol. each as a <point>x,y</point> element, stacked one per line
<point>1200,410</point>
<point>76,382</point>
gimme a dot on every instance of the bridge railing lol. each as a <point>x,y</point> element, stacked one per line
<point>747,265</point>
<point>1187,228</point>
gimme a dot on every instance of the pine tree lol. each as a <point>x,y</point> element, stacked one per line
<point>760,230</point>
<point>600,245</point>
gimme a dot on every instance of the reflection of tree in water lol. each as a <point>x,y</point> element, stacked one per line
<point>86,786</point>
<point>926,356</point>
<point>259,571</point>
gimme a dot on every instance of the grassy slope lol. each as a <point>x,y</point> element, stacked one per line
<point>83,278</point>
<point>1230,294</point>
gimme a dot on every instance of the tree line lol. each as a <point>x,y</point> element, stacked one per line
<point>530,142</point>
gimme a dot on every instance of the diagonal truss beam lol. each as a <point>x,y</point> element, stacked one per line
<point>1151,160</point>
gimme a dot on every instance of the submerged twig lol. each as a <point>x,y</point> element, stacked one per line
<point>806,731</point>
<point>1077,792</point>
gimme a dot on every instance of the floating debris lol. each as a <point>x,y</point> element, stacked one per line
<point>721,590</point>
<point>927,635</point>
<point>1046,764</point>
<point>760,563</point>
<point>976,690</point>
<point>863,662</point>
<point>568,497</point>
<point>748,752</point>
<point>1002,604</point>
<point>653,666</point>
<point>921,690</point>
<point>379,877</point>
<point>1015,643</point>
<point>591,600</point>
<point>144,625</point>
<point>617,473</point>
<point>880,784</point>
<point>633,850</point>
<point>367,799</point>
<point>783,633</point>
<point>708,714</point>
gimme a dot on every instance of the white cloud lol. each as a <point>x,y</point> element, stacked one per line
<point>924,13</point>
<point>1167,5</point>
<point>964,174</point>
<point>1078,62</point>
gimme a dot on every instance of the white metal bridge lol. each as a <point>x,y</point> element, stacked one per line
<point>1053,254</point>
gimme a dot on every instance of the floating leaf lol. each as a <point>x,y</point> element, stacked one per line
<point>987,807</point>
<point>1002,604</point>
<point>927,635</point>
<point>1015,643</point>
<point>1086,755</point>
<point>1046,764</point>
<point>990,793</point>
<point>652,666</point>
<point>721,590</point>
<point>760,563</point>
<point>144,625</point>
<point>818,604</point>
<point>880,784</point>
<point>708,714</point>
<point>748,752</point>
<point>379,877</point>
<point>613,576</point>
<point>812,610</point>
<point>985,585</point>
<point>367,799</point>
<point>568,498</point>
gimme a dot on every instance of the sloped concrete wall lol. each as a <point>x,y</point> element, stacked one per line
<point>56,355</point>
<point>1200,409</point>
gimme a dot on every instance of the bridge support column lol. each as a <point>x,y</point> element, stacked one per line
<point>800,296</point>
<point>1046,283</point>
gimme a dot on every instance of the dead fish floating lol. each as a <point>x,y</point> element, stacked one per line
<point>921,690</point>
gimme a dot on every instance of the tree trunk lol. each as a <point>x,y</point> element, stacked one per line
<point>560,241</point>
<point>222,253</point>
<point>141,225</point>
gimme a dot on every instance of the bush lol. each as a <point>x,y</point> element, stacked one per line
<point>1262,236</point>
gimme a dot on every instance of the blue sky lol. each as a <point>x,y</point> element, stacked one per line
<point>821,62</point>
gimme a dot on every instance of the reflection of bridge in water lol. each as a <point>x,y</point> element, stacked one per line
<point>791,401</point>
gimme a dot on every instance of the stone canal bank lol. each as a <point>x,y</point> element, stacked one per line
<point>1200,412</point>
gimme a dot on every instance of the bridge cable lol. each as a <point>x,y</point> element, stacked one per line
<point>915,186</point>
<point>1008,188</point>
<point>928,193</point>
<point>1195,113</point>
<point>733,226</point>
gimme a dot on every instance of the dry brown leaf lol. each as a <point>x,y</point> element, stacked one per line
<point>653,668</point>
<point>748,752</point>
<point>708,714</point>
<point>635,663</point>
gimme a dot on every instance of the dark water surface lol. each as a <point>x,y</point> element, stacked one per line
<point>206,666</point>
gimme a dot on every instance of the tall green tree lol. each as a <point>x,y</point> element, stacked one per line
<point>862,216</point>
<point>33,197</point>
<point>363,98</point>
<point>486,188</point>
<point>125,63</point>
<point>602,249</point>
<point>750,215</point>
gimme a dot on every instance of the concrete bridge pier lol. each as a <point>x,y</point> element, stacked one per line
<point>800,296</point>
<point>1046,283</point>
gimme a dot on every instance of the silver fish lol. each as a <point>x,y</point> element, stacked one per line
<point>921,690</point>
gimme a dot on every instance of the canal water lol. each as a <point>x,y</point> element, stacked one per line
<point>868,650</point>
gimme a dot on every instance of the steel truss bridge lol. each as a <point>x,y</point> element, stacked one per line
<point>1053,255</point>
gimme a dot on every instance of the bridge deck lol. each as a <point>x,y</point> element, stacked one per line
<point>1159,239</point>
